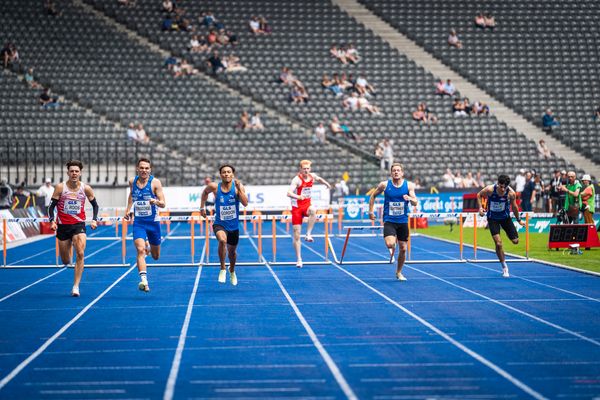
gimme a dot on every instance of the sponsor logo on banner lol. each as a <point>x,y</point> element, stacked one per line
<point>260,197</point>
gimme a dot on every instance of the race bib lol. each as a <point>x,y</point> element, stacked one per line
<point>72,207</point>
<point>143,208</point>
<point>306,192</point>
<point>496,206</point>
<point>396,208</point>
<point>228,213</point>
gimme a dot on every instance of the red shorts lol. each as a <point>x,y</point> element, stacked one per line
<point>298,213</point>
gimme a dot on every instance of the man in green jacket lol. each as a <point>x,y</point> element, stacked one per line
<point>573,199</point>
<point>588,199</point>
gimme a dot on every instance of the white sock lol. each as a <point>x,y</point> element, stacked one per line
<point>143,276</point>
<point>504,265</point>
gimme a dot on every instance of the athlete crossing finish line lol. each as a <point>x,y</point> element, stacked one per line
<point>229,193</point>
<point>69,198</point>
<point>398,192</point>
<point>500,196</point>
<point>300,193</point>
<point>145,196</point>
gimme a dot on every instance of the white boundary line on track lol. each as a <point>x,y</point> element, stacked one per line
<point>498,302</point>
<point>172,380</point>
<point>62,330</point>
<point>340,379</point>
<point>32,284</point>
<point>447,337</point>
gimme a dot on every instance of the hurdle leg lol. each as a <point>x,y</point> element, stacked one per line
<point>123,240</point>
<point>345,245</point>
<point>274,238</point>
<point>4,242</point>
<point>475,236</point>
<point>527,235</point>
<point>192,239</point>
<point>460,230</point>
<point>260,240</point>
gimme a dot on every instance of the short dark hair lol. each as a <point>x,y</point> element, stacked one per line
<point>397,164</point>
<point>143,159</point>
<point>504,180</point>
<point>74,163</point>
<point>226,165</point>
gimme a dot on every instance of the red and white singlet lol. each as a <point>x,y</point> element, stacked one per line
<point>304,189</point>
<point>71,205</point>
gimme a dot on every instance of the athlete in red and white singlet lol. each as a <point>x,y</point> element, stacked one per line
<point>300,193</point>
<point>69,200</point>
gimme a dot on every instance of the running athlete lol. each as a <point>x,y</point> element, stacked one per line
<point>499,196</point>
<point>229,193</point>
<point>300,192</point>
<point>69,199</point>
<point>146,197</point>
<point>398,192</point>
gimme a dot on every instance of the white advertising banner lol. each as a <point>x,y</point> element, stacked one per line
<point>272,197</point>
<point>13,231</point>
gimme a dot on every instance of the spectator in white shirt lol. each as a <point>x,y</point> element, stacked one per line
<point>46,191</point>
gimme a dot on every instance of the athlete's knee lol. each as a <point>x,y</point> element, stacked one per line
<point>222,241</point>
<point>403,247</point>
<point>515,240</point>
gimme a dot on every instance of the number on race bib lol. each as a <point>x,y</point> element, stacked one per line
<point>143,209</point>
<point>396,208</point>
<point>228,213</point>
<point>496,206</point>
<point>306,192</point>
<point>72,207</point>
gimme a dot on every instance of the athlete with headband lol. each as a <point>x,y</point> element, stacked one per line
<point>69,200</point>
<point>146,196</point>
<point>398,192</point>
<point>229,193</point>
<point>500,196</point>
<point>300,193</point>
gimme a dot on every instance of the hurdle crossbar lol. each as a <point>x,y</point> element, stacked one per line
<point>349,229</point>
<point>325,218</point>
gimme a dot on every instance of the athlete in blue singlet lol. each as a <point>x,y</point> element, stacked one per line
<point>145,197</point>
<point>398,193</point>
<point>228,196</point>
<point>499,197</point>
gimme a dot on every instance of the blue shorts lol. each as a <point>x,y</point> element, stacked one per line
<point>149,230</point>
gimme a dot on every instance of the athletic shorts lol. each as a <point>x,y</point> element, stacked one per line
<point>506,224</point>
<point>298,213</point>
<point>67,231</point>
<point>394,229</point>
<point>147,230</point>
<point>233,237</point>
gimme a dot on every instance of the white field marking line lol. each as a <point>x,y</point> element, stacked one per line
<point>91,391</point>
<point>516,382</point>
<point>411,365</point>
<point>172,380</point>
<point>502,304</point>
<point>225,381</point>
<point>519,277</point>
<point>89,383</point>
<point>103,368</point>
<point>311,333</point>
<point>253,366</point>
<point>554,363</point>
<point>62,330</point>
<point>31,284</point>
<point>258,390</point>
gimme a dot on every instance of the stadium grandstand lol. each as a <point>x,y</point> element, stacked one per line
<point>457,92</point>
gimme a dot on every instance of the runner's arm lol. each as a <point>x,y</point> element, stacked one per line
<point>129,200</point>
<point>54,201</point>
<point>378,190</point>
<point>159,193</point>
<point>242,196</point>
<point>321,180</point>
<point>293,188</point>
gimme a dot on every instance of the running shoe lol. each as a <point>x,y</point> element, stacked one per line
<point>400,277</point>
<point>143,286</point>
<point>75,291</point>
<point>308,238</point>
<point>299,264</point>
<point>233,278</point>
<point>222,276</point>
<point>505,273</point>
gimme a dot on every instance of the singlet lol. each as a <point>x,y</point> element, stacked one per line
<point>70,208</point>
<point>395,208</point>
<point>227,209</point>
<point>498,206</point>
<point>304,189</point>
<point>142,209</point>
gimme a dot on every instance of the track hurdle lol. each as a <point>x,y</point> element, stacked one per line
<point>349,230</point>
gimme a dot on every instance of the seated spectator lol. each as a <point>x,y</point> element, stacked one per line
<point>298,94</point>
<point>198,45</point>
<point>351,102</point>
<point>46,101</point>
<point>343,81</point>
<point>132,132</point>
<point>549,120</point>
<point>326,82</point>
<point>169,24</point>
<point>332,85</point>
<point>338,128</point>
<point>232,63</point>
<point>453,40</point>
<point>211,38</point>
<point>448,88</point>
<point>254,25</point>
<point>187,68</point>
<point>256,123</point>
<point>448,179</point>
<point>9,55</point>
<point>222,38</point>
<point>439,88</point>
<point>244,122</point>
<point>543,149</point>
<point>233,38</point>
<point>467,105</point>
<point>419,114</point>
<point>168,6</point>
<point>207,18</point>
<point>469,181</point>
<point>364,104</point>
<point>418,184</point>
<point>352,54</point>
<point>185,24</point>
<point>458,108</point>
<point>50,7</point>
<point>287,77</point>
<point>490,21</point>
<point>319,134</point>
<point>128,3</point>
<point>363,87</point>
<point>264,25</point>
<point>215,62</point>
<point>30,80</point>
<point>458,180</point>
<point>479,108</point>
<point>480,21</point>
<point>597,113</point>
<point>431,118</point>
<point>142,136</point>
<point>338,53</point>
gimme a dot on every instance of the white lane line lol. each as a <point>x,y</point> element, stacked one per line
<point>340,379</point>
<point>91,391</point>
<point>88,383</point>
<point>62,330</point>
<point>251,381</point>
<point>172,380</point>
<point>554,363</point>
<point>103,368</point>
<point>8,296</point>
<point>411,365</point>
<point>32,256</point>
<point>502,304</point>
<point>254,366</point>
<point>516,382</point>
<point>257,390</point>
